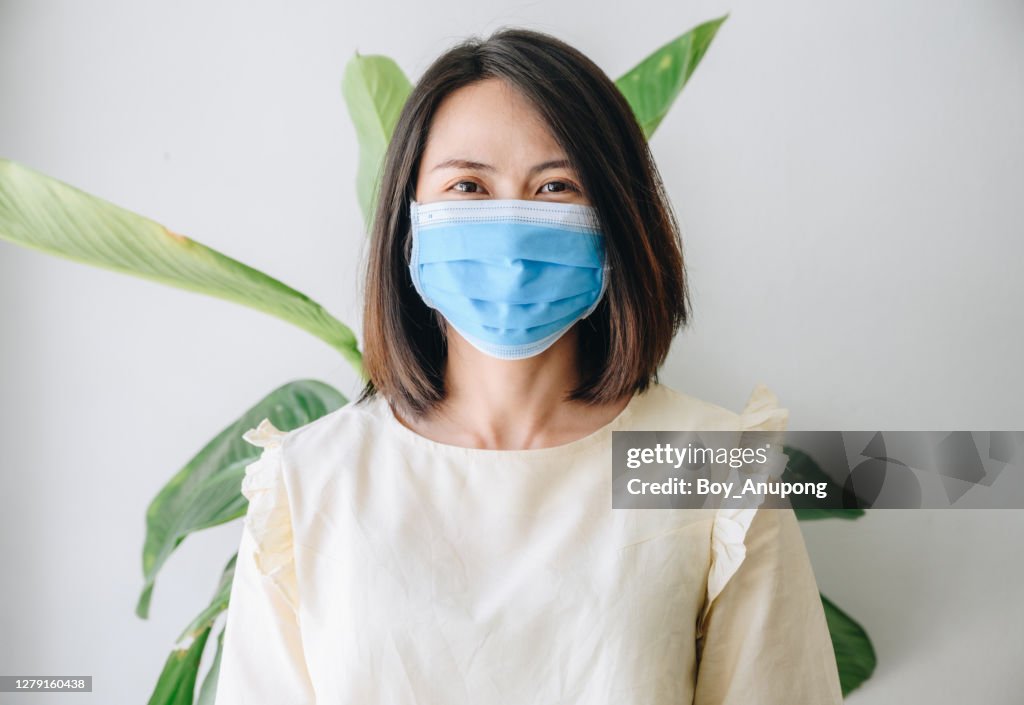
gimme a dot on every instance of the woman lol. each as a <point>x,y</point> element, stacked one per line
<point>449,537</point>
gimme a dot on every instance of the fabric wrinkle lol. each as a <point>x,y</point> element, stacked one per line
<point>268,518</point>
<point>762,412</point>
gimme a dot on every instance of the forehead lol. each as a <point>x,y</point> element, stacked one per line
<point>489,121</point>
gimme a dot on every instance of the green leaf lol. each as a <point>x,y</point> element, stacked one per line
<point>802,468</point>
<point>50,216</point>
<point>208,691</point>
<point>855,655</point>
<point>218,604</point>
<point>375,90</point>
<point>652,86</point>
<point>177,682</point>
<point>207,491</point>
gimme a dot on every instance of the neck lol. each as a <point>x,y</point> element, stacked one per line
<point>510,403</point>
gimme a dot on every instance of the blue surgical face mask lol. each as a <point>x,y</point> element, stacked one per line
<point>511,276</point>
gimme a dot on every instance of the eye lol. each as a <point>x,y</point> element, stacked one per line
<point>466,186</point>
<point>462,190</point>
<point>566,186</point>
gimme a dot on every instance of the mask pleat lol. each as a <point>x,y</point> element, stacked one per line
<point>519,283</point>
<point>503,242</point>
<point>507,316</point>
<point>513,336</point>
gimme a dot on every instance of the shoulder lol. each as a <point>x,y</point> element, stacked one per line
<point>662,408</point>
<point>338,431</point>
<point>278,499</point>
<point>338,434</point>
<point>317,461</point>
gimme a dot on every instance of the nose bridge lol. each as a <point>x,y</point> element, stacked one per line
<point>513,187</point>
<point>512,179</point>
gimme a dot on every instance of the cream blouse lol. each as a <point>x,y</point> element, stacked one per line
<point>377,566</point>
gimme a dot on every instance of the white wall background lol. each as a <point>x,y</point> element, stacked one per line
<point>848,174</point>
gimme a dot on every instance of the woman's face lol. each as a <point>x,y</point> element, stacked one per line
<point>486,141</point>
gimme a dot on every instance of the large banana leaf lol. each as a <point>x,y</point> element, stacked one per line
<point>801,468</point>
<point>218,604</point>
<point>206,492</point>
<point>178,679</point>
<point>652,86</point>
<point>855,655</point>
<point>45,214</point>
<point>208,691</point>
<point>174,680</point>
<point>375,89</point>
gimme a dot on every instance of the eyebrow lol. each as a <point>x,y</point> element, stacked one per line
<point>480,166</point>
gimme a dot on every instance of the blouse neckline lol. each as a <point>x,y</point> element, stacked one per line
<point>593,438</point>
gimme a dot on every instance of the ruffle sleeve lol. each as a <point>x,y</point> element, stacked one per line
<point>729,529</point>
<point>268,518</point>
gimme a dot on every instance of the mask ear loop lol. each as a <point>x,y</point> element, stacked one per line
<point>414,263</point>
<point>413,268</point>
<point>605,266</point>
